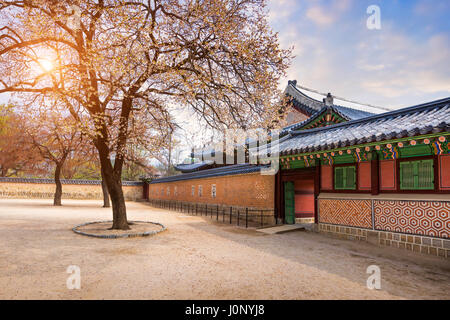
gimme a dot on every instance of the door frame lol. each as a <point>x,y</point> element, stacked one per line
<point>291,186</point>
<point>292,175</point>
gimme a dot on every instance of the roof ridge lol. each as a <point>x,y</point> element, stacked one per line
<point>317,108</point>
<point>294,85</point>
<point>226,170</point>
<point>417,108</point>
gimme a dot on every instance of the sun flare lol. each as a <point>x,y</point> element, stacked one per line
<point>46,64</point>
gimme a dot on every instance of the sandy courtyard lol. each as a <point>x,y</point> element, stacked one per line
<point>195,259</point>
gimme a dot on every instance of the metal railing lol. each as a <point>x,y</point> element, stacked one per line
<point>240,216</point>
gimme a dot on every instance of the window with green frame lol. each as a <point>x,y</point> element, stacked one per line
<point>345,178</point>
<point>417,175</point>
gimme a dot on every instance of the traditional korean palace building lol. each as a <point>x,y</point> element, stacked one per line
<point>381,178</point>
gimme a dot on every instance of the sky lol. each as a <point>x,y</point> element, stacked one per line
<point>404,63</point>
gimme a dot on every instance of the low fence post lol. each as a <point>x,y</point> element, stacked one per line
<point>246,217</point>
<point>262,223</point>
<point>239,212</point>
<point>217,212</point>
<point>231,213</point>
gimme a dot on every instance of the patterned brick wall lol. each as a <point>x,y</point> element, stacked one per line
<point>430,218</point>
<point>355,213</point>
<point>70,191</point>
<point>247,190</point>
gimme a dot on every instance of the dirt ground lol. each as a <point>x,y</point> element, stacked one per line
<point>195,259</point>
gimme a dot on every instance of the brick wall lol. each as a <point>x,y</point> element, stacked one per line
<point>46,190</point>
<point>246,190</point>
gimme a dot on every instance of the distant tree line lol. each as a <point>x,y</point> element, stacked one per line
<point>51,145</point>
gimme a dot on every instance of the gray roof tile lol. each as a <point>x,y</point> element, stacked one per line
<point>422,119</point>
<point>216,172</point>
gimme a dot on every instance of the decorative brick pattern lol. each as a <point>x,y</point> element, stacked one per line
<point>356,213</point>
<point>430,218</point>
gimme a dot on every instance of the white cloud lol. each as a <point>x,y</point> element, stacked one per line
<point>280,10</point>
<point>320,16</point>
<point>325,15</point>
<point>430,7</point>
<point>411,67</point>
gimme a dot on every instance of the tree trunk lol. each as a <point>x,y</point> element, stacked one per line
<point>118,205</point>
<point>114,185</point>
<point>106,202</point>
<point>58,192</point>
<point>113,175</point>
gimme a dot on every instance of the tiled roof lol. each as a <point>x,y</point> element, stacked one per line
<point>64,181</point>
<point>350,113</point>
<point>216,172</point>
<point>315,108</point>
<point>301,101</point>
<point>192,167</point>
<point>308,105</point>
<point>432,117</point>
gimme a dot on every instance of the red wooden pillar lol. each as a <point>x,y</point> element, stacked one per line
<point>375,174</point>
<point>316,191</point>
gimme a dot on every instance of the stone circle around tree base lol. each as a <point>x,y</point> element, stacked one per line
<point>123,235</point>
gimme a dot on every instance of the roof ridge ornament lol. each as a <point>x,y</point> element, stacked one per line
<point>328,100</point>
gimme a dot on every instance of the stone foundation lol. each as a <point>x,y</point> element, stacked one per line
<point>415,243</point>
<point>304,220</point>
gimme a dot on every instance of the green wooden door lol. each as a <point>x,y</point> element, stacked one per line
<point>289,202</point>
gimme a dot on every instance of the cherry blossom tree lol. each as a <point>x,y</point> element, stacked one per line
<point>120,65</point>
<point>17,157</point>
<point>56,138</point>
